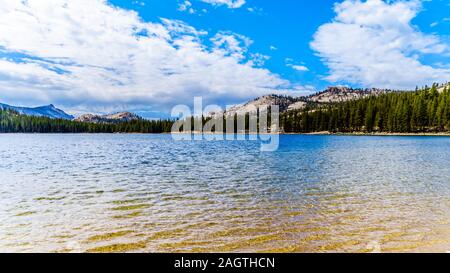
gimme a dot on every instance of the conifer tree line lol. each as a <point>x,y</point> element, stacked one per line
<point>425,110</point>
<point>12,122</point>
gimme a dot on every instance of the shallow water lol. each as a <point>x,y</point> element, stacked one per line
<point>147,193</point>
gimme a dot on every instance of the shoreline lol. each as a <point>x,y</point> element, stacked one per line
<point>377,134</point>
<point>323,133</point>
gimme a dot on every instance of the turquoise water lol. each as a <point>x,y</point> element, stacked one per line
<point>147,193</point>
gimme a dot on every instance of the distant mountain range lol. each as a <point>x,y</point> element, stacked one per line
<point>42,111</point>
<point>285,103</point>
<point>50,111</point>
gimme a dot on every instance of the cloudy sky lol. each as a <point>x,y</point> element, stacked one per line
<point>150,55</point>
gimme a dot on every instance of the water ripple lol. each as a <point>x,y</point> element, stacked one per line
<point>146,193</point>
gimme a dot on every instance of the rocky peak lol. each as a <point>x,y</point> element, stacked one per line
<point>287,103</point>
<point>442,87</point>
<point>110,118</point>
<point>342,94</point>
<point>123,116</point>
<point>264,101</point>
<point>49,111</point>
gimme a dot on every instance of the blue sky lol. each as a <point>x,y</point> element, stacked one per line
<point>286,25</point>
<point>147,56</point>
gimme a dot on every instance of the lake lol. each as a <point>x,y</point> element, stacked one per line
<point>148,193</point>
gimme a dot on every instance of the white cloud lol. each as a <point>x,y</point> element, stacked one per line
<point>232,4</point>
<point>88,55</point>
<point>258,59</point>
<point>255,10</point>
<point>231,44</point>
<point>186,6</point>
<point>374,43</point>
<point>290,63</point>
<point>139,3</point>
<point>299,67</point>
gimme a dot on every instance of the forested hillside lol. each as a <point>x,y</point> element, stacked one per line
<point>12,122</point>
<point>426,110</point>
